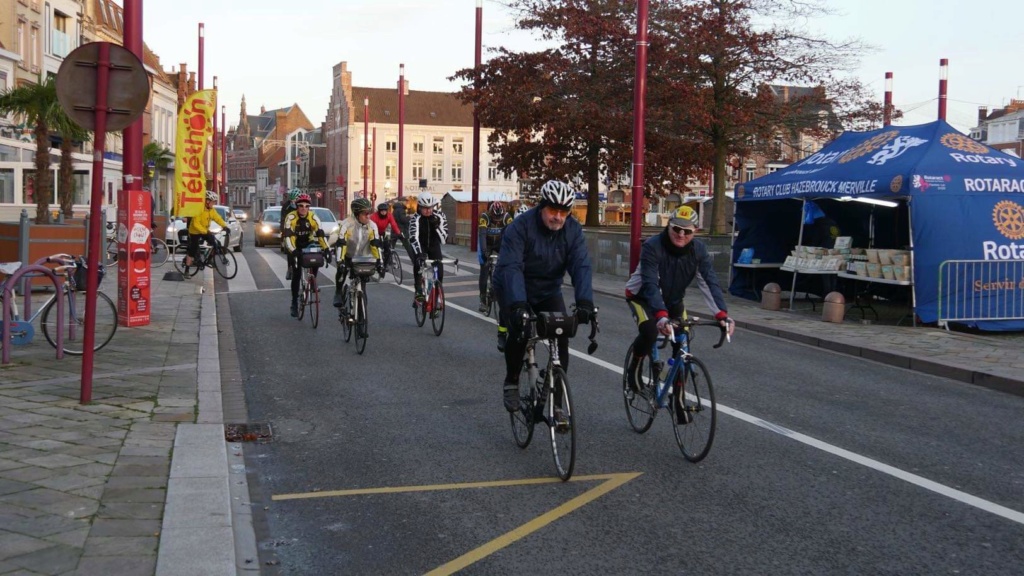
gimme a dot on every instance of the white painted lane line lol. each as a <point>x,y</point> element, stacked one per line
<point>243,280</point>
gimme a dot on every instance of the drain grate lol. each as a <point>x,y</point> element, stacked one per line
<point>253,432</point>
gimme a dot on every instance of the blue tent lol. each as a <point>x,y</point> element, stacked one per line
<point>959,200</point>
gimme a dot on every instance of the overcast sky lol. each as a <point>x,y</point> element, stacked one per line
<point>278,53</point>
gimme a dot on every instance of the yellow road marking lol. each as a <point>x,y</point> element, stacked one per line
<point>610,482</point>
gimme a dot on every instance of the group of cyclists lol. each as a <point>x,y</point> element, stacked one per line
<point>536,247</point>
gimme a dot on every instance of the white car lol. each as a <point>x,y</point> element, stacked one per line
<point>332,226</point>
<point>234,241</point>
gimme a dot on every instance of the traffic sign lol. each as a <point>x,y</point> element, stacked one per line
<point>127,88</point>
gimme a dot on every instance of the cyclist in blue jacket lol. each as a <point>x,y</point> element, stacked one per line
<point>537,250</point>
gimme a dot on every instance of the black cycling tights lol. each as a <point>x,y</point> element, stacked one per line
<point>516,347</point>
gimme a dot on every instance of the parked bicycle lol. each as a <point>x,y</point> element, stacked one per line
<point>73,291</point>
<point>217,257</point>
<point>682,384</point>
<point>544,395</point>
<point>433,303</point>
<point>309,289</point>
<point>158,252</point>
<point>353,312</point>
<point>490,302</point>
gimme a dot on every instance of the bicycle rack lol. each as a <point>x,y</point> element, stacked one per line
<point>29,271</point>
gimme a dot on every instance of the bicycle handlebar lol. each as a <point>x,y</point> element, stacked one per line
<point>594,328</point>
<point>696,321</point>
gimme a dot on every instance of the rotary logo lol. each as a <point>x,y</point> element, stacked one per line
<point>897,184</point>
<point>1009,219</point>
<point>963,143</point>
<point>868,146</point>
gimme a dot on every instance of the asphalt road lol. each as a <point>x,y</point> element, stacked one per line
<point>822,463</point>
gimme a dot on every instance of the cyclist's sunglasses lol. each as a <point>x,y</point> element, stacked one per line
<point>559,210</point>
<point>681,230</point>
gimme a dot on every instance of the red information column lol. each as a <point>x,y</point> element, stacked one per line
<point>133,252</point>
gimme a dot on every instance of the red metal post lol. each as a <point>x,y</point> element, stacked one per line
<point>887,107</point>
<point>639,102</point>
<point>943,77</point>
<point>202,40</point>
<point>373,164</point>
<point>401,128</point>
<point>366,141</point>
<point>474,224</point>
<point>214,148</point>
<point>92,281</point>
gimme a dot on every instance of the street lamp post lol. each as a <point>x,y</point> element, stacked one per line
<point>366,140</point>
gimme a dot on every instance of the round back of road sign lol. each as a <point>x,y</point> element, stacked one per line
<point>127,88</point>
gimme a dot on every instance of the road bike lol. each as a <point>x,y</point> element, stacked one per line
<point>490,302</point>
<point>682,384</point>
<point>310,261</point>
<point>73,291</point>
<point>432,289</point>
<point>158,252</point>
<point>353,312</point>
<point>544,395</point>
<point>217,257</point>
<point>392,263</point>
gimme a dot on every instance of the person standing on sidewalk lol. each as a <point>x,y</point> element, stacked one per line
<point>537,250</point>
<point>669,263</point>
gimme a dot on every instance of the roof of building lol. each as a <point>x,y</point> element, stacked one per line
<point>421,107</point>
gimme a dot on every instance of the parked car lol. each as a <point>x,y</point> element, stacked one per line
<point>268,227</point>
<point>241,215</point>
<point>175,225</point>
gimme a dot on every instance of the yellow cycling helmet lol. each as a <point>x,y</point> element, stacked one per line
<point>684,216</point>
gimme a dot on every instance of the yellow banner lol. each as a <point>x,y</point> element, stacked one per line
<point>195,128</point>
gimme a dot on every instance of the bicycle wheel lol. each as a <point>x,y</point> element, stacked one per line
<point>362,322</point>
<point>489,294</point>
<point>522,420</point>
<point>303,293</point>
<point>639,405</point>
<point>313,300</point>
<point>396,268</point>
<point>110,253</point>
<point>697,432</point>
<point>420,308</point>
<point>345,316</point>
<point>561,423</point>
<point>74,322</point>
<point>437,308</point>
<point>226,264</point>
<point>158,253</point>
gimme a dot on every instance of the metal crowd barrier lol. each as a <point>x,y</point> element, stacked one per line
<point>971,290</point>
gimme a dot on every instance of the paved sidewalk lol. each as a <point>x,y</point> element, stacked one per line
<point>141,481</point>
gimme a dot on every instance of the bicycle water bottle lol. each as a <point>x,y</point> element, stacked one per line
<point>665,368</point>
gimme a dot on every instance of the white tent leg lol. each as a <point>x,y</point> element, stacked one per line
<point>799,241</point>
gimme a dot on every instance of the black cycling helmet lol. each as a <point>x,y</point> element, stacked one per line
<point>382,206</point>
<point>360,206</point>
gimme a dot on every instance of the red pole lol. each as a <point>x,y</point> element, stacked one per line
<point>943,76</point>
<point>639,101</point>
<point>214,148</point>
<point>474,224</point>
<point>224,157</point>
<point>401,127</point>
<point>373,173</point>
<point>887,109</point>
<point>366,140</point>
<point>202,39</point>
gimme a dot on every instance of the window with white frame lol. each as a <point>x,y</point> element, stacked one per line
<point>749,174</point>
<point>6,185</point>
<point>457,171</point>
<point>417,144</point>
<point>492,171</point>
<point>437,170</point>
<point>391,144</point>
<point>390,170</point>
<point>456,145</point>
<point>417,169</point>
<point>438,145</point>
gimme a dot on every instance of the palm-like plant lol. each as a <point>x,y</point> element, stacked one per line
<point>157,155</point>
<point>38,104</point>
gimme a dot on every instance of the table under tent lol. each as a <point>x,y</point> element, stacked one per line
<point>954,204</point>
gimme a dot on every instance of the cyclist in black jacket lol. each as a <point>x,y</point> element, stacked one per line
<point>288,208</point>
<point>428,231</point>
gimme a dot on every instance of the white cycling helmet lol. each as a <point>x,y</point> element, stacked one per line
<point>425,200</point>
<point>557,193</point>
<point>212,196</point>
